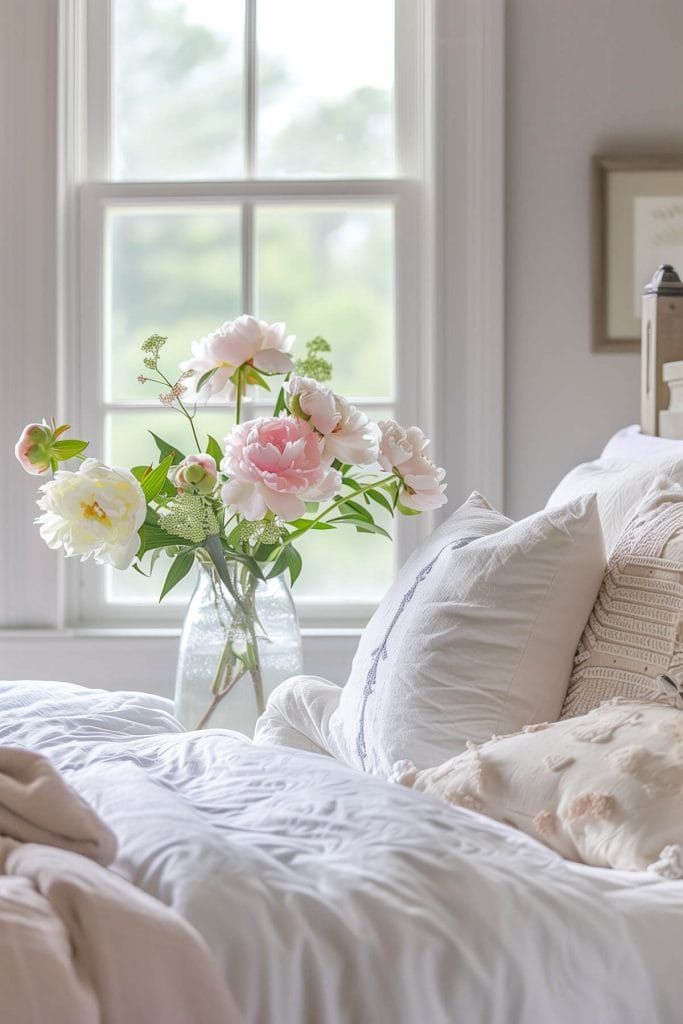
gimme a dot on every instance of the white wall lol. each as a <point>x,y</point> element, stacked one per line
<point>583,77</point>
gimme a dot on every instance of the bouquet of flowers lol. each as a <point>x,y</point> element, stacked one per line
<point>237,506</point>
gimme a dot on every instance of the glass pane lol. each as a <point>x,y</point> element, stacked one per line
<point>128,441</point>
<point>171,273</point>
<point>331,272</point>
<point>325,88</point>
<point>177,69</point>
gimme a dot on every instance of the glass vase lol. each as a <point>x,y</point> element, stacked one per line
<point>233,655</point>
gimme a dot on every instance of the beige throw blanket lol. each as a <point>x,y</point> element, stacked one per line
<point>78,944</point>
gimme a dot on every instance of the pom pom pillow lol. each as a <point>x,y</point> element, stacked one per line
<point>476,636</point>
<point>605,789</point>
<point>635,631</point>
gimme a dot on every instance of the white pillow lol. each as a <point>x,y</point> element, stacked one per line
<point>633,634</point>
<point>630,444</point>
<point>619,484</point>
<point>605,789</point>
<point>476,636</point>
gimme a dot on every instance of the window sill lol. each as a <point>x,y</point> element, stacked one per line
<point>140,659</point>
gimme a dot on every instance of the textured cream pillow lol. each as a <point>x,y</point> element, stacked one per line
<point>605,789</point>
<point>634,633</point>
<point>476,636</point>
<point>620,484</point>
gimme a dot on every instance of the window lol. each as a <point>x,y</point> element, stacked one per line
<point>65,206</point>
<point>248,156</point>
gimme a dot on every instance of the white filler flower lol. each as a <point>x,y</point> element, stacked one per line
<point>96,511</point>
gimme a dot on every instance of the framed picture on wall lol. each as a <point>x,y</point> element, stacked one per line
<point>637,225</point>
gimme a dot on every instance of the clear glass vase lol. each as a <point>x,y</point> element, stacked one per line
<point>232,656</point>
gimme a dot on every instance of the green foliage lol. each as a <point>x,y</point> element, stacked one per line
<point>63,450</point>
<point>214,450</point>
<point>180,567</point>
<point>154,480</point>
<point>166,450</point>
<point>313,364</point>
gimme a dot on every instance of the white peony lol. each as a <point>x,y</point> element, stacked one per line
<point>401,451</point>
<point>347,433</point>
<point>244,341</point>
<point>355,439</point>
<point>95,511</point>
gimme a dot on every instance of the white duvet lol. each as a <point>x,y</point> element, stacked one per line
<point>328,896</point>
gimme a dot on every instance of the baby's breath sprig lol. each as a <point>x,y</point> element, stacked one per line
<point>313,364</point>
<point>151,348</point>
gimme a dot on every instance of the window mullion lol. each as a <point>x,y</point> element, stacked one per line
<point>250,73</point>
<point>99,121</point>
<point>248,259</point>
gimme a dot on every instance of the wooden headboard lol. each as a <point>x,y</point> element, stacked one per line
<point>661,343</point>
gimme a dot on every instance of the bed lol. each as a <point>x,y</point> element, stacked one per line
<point>295,883</point>
<point>327,896</point>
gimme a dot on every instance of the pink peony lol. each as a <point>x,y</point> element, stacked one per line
<point>348,434</point>
<point>275,463</point>
<point>196,474</point>
<point>235,343</point>
<point>33,449</point>
<point>401,452</point>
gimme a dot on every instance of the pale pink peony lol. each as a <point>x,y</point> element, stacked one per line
<point>275,463</point>
<point>33,448</point>
<point>401,451</point>
<point>235,343</point>
<point>310,400</point>
<point>423,487</point>
<point>397,445</point>
<point>348,434</point>
<point>196,474</point>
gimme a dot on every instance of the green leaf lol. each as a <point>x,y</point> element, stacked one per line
<point>214,449</point>
<point>154,537</point>
<point>213,547</point>
<point>289,558</point>
<point>361,525</point>
<point>280,404</point>
<point>380,499</point>
<point>166,449</point>
<point>405,511</point>
<point>180,567</point>
<point>252,376</point>
<point>153,482</point>
<point>139,570</point>
<point>152,517</point>
<point>367,528</point>
<point>350,482</point>
<point>305,524</point>
<point>250,562</point>
<point>68,449</point>
<point>361,512</point>
<point>205,378</point>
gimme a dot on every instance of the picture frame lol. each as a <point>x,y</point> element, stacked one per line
<point>637,224</point>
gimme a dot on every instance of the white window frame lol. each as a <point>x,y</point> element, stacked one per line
<point>456,223</point>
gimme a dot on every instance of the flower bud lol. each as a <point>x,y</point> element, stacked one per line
<point>196,474</point>
<point>33,449</point>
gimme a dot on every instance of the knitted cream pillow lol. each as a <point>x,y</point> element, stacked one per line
<point>605,789</point>
<point>634,634</point>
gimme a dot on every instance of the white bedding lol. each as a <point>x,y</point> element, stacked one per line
<point>330,897</point>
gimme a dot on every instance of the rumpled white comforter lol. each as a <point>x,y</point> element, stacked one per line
<point>328,896</point>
